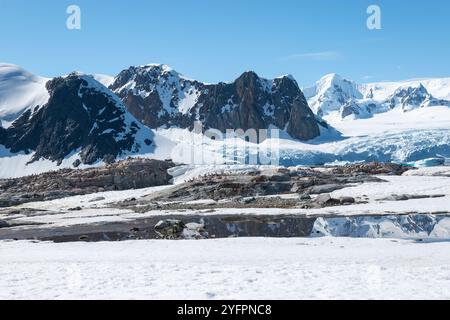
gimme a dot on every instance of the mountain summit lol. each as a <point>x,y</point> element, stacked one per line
<point>330,93</point>
<point>19,91</point>
<point>161,97</point>
<point>81,116</point>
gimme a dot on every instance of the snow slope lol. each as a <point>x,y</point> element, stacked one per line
<point>393,121</point>
<point>330,93</point>
<point>17,165</point>
<point>19,90</point>
<point>104,79</point>
<point>323,268</point>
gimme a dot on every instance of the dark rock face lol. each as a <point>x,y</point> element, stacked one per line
<point>2,135</point>
<point>272,182</point>
<point>302,123</point>
<point>124,175</point>
<point>151,94</point>
<point>170,228</point>
<point>158,96</point>
<point>81,115</point>
<point>215,226</point>
<point>372,168</point>
<point>350,108</point>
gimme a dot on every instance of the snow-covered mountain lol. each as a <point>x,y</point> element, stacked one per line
<point>330,93</point>
<point>83,119</point>
<point>76,120</point>
<point>437,87</point>
<point>19,91</point>
<point>161,97</point>
<point>334,97</point>
<point>409,98</point>
<point>104,79</point>
<point>156,94</point>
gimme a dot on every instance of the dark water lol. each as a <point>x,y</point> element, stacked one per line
<point>215,226</point>
<point>413,226</point>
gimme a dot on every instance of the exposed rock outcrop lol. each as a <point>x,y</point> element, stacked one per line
<point>81,116</point>
<point>372,168</point>
<point>124,175</point>
<point>2,135</point>
<point>160,97</point>
<point>279,181</point>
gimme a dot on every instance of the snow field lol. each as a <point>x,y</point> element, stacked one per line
<point>323,268</point>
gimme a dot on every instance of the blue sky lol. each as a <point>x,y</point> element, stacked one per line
<point>213,40</point>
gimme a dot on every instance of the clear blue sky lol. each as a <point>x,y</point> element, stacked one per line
<point>212,40</point>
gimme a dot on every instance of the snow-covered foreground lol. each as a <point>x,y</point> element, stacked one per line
<point>322,268</point>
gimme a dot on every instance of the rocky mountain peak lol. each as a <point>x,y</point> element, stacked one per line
<point>81,116</point>
<point>159,96</point>
<point>285,84</point>
<point>144,77</point>
<point>250,81</point>
<point>248,76</point>
<point>419,90</point>
<point>330,93</point>
<point>331,78</point>
<point>409,98</point>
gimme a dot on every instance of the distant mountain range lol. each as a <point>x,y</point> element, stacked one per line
<point>335,96</point>
<point>100,118</point>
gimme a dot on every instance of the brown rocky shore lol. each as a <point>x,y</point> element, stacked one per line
<point>123,175</point>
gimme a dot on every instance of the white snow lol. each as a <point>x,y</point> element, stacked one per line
<point>432,171</point>
<point>17,165</point>
<point>393,121</point>
<point>104,79</point>
<point>330,93</point>
<point>19,91</point>
<point>87,201</point>
<point>438,87</point>
<point>411,185</point>
<point>322,268</point>
<point>188,98</point>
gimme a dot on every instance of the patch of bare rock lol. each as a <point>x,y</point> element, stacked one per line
<point>265,188</point>
<point>123,175</point>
